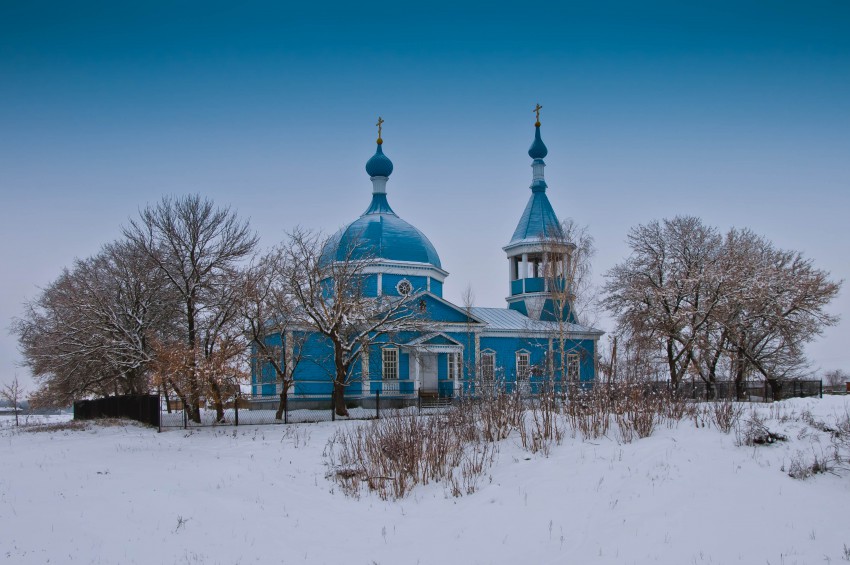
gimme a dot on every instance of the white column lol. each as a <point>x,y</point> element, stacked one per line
<point>418,363</point>
<point>523,274</point>
<point>456,371</point>
<point>510,275</point>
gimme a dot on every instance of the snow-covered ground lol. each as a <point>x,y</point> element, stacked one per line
<point>686,495</point>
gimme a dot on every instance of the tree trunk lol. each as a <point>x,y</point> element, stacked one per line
<point>775,388</point>
<point>339,399</point>
<point>710,389</point>
<point>281,407</point>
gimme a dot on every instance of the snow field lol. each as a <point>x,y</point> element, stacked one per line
<point>685,495</point>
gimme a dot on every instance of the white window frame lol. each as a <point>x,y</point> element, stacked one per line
<point>573,367</point>
<point>523,365</point>
<point>389,363</point>
<point>453,362</point>
<point>488,367</point>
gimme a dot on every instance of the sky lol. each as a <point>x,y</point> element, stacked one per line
<point>736,112</point>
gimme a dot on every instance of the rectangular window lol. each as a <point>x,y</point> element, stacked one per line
<point>573,366</point>
<point>390,361</point>
<point>454,368</point>
<point>522,365</point>
<point>488,366</point>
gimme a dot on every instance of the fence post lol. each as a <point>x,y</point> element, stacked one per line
<point>378,404</point>
<point>419,402</point>
<point>820,392</point>
<point>236,409</point>
<point>286,406</point>
<point>333,405</point>
<point>185,422</point>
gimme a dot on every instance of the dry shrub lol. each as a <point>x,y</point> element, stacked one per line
<point>73,425</point>
<point>753,431</point>
<point>589,411</point>
<point>802,468</point>
<point>725,414</point>
<point>496,411</point>
<point>392,455</point>
<point>542,425</point>
<point>635,408</point>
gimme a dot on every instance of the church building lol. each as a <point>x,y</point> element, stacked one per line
<point>535,337</point>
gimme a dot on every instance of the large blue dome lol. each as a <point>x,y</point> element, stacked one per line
<point>380,234</point>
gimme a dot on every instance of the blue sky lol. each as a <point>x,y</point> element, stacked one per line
<point>736,112</point>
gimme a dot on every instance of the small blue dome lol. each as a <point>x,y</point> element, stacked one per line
<point>380,234</point>
<point>379,165</point>
<point>538,148</point>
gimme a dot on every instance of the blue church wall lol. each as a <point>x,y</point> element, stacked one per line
<point>436,287</point>
<point>313,376</point>
<point>519,306</point>
<point>371,286</point>
<point>436,310</point>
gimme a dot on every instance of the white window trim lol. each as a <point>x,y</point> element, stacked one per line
<point>386,363</point>
<point>453,363</point>
<point>406,282</point>
<point>573,360</point>
<point>523,374</point>
<point>488,353</point>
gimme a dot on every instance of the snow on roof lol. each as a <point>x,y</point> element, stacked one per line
<point>505,319</point>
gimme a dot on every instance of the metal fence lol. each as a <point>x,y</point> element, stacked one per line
<point>309,402</point>
<point>751,391</point>
<point>300,407</point>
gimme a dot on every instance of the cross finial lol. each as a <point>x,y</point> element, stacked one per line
<point>380,122</point>
<point>537,111</point>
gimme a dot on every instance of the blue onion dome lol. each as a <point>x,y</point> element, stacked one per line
<point>380,234</point>
<point>379,165</point>
<point>538,148</point>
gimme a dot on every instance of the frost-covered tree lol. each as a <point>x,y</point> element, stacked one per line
<point>13,393</point>
<point>712,302</point>
<point>198,247</point>
<point>664,291</point>
<point>89,332</point>
<point>332,298</point>
<point>274,324</point>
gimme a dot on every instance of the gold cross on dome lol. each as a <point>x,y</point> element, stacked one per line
<point>380,122</point>
<point>537,111</point>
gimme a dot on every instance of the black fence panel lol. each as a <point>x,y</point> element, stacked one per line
<point>143,408</point>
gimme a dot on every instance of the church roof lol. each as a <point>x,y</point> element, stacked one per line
<point>379,233</point>
<point>507,320</point>
<point>538,221</point>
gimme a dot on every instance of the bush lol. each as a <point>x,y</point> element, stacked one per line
<point>392,455</point>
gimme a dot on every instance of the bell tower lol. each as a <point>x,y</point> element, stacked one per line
<point>539,253</point>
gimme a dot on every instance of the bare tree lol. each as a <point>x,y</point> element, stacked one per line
<point>659,292</point>
<point>88,332</point>
<point>778,305</point>
<point>836,378</point>
<point>197,247</point>
<point>567,261</point>
<point>705,299</point>
<point>274,324</point>
<point>13,393</point>
<point>331,293</point>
